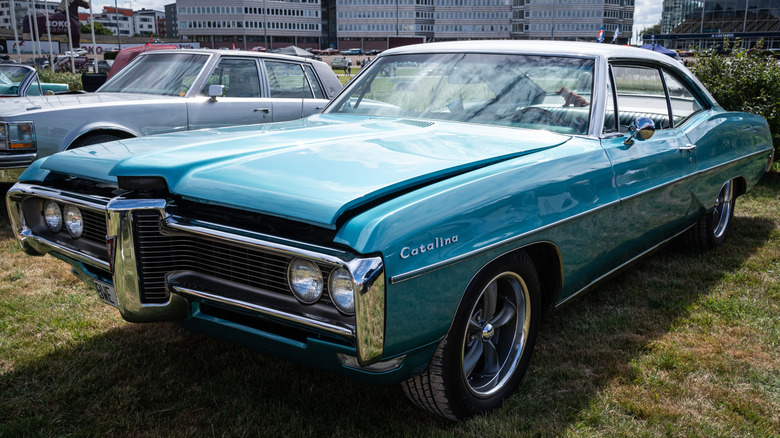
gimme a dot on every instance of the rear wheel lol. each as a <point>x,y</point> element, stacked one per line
<point>483,358</point>
<point>713,227</point>
<point>93,139</point>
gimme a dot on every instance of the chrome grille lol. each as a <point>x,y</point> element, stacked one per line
<point>95,228</point>
<point>159,254</point>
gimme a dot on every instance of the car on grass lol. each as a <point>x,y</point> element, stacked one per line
<point>417,230</point>
<point>167,91</point>
<point>19,80</point>
<point>340,63</point>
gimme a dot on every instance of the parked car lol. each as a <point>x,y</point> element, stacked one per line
<point>167,91</point>
<point>103,65</point>
<point>63,64</point>
<point>417,230</point>
<point>352,52</point>
<point>124,56</point>
<point>18,80</point>
<point>340,63</point>
<point>329,51</point>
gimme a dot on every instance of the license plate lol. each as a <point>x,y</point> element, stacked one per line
<point>106,293</point>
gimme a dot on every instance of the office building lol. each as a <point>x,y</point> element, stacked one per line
<point>705,23</point>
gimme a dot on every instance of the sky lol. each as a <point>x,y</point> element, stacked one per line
<point>646,12</point>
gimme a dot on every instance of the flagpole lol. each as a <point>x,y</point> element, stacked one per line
<point>70,38</point>
<point>37,34</point>
<point>32,31</point>
<point>48,34</point>
<point>16,34</point>
<point>94,45</point>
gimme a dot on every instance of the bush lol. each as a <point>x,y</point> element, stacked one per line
<point>72,79</point>
<point>743,80</point>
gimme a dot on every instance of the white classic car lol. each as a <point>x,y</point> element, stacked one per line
<point>165,91</point>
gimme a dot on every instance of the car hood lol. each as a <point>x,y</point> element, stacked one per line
<point>21,106</point>
<point>311,170</point>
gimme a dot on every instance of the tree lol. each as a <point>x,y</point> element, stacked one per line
<point>742,80</point>
<point>99,29</point>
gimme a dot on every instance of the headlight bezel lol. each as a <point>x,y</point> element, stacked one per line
<point>17,136</point>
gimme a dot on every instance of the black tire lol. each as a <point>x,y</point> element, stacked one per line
<point>93,139</point>
<point>713,227</point>
<point>482,360</point>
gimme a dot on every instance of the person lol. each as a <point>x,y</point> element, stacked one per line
<point>349,68</point>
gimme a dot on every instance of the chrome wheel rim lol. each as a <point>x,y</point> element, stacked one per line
<point>496,334</point>
<point>721,213</point>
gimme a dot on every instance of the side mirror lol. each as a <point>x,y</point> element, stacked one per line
<point>216,91</point>
<point>643,128</point>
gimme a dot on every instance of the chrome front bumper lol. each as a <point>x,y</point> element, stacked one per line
<point>366,333</point>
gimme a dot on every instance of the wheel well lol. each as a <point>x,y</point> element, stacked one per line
<point>547,261</point>
<point>114,132</point>
<point>740,186</point>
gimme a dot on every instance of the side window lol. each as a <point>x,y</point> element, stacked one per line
<point>286,80</point>
<point>640,92</point>
<point>684,103</point>
<point>239,76</point>
<point>35,88</point>
<point>315,85</point>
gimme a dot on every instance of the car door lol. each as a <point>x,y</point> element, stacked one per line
<point>294,89</point>
<point>653,176</point>
<point>243,102</point>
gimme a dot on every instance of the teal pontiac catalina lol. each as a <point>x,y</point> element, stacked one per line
<point>417,230</point>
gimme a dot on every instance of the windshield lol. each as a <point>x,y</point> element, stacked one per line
<point>164,74</point>
<point>10,79</point>
<point>540,92</point>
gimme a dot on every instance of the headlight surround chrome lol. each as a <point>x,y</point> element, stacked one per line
<point>305,280</point>
<point>73,220</point>
<point>52,216</point>
<point>342,290</point>
<point>17,136</point>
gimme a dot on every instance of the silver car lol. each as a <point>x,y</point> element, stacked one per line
<point>165,91</point>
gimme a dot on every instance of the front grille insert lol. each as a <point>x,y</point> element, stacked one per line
<point>95,228</point>
<point>159,254</point>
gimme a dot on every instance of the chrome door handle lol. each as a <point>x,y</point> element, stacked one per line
<point>688,147</point>
<point>264,110</point>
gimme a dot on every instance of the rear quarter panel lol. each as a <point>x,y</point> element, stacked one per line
<point>729,145</point>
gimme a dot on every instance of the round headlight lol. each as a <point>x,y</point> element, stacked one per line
<point>342,290</point>
<point>305,280</point>
<point>52,216</point>
<point>73,221</point>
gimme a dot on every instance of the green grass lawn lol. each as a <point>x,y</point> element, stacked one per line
<point>680,344</point>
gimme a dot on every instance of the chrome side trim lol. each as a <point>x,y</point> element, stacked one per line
<point>695,174</point>
<point>623,265</point>
<point>444,263</point>
<point>345,332</point>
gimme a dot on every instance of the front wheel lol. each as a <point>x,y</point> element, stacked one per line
<point>483,358</point>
